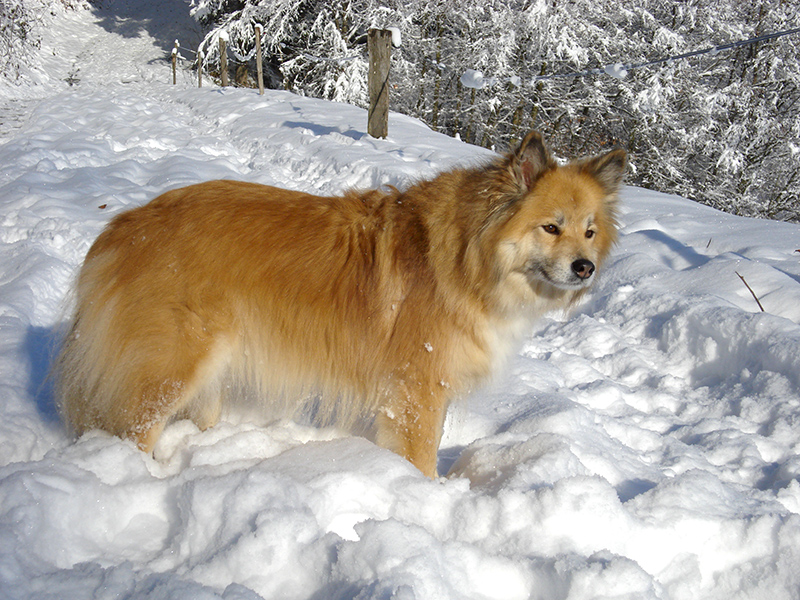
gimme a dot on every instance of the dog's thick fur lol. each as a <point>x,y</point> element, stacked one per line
<point>383,303</point>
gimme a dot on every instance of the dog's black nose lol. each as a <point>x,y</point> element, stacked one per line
<point>583,268</point>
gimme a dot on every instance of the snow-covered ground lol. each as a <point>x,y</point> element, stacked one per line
<point>645,446</point>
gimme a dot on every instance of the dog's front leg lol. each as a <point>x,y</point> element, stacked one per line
<point>411,422</point>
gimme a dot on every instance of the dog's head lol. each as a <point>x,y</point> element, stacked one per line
<point>561,222</point>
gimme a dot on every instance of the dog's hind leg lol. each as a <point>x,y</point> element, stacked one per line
<point>146,437</point>
<point>192,388</point>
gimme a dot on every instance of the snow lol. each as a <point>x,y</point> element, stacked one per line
<point>473,79</point>
<point>617,70</point>
<point>397,36</point>
<point>645,446</point>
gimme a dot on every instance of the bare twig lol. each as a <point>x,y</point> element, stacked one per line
<point>751,291</point>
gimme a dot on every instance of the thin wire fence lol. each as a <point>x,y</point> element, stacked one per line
<point>618,69</point>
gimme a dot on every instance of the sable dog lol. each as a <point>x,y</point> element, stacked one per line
<point>383,304</point>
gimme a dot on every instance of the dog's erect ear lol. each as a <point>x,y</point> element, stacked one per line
<point>530,160</point>
<point>607,169</point>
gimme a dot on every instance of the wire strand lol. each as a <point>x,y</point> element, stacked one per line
<point>622,67</point>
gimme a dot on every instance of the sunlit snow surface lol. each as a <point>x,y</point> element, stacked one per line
<point>644,446</point>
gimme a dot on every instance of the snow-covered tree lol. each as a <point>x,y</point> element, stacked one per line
<point>21,23</point>
<point>722,128</point>
<point>17,35</point>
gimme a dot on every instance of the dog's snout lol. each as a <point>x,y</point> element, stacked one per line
<point>583,268</point>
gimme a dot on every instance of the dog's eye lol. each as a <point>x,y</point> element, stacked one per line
<point>551,229</point>
<point>589,233</point>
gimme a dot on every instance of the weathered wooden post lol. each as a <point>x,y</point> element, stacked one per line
<point>200,58</point>
<point>259,63</point>
<point>175,63</point>
<point>223,58</point>
<point>379,42</point>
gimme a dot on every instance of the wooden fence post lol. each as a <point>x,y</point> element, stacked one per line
<point>259,63</point>
<point>379,42</point>
<point>175,63</point>
<point>223,60</point>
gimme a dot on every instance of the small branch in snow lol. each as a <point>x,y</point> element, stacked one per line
<point>751,291</point>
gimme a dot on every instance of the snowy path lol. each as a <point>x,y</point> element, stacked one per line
<point>646,446</point>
